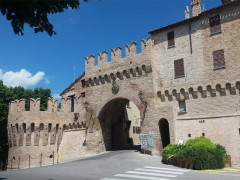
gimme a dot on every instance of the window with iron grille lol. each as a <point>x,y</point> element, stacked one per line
<point>218,59</point>
<point>179,68</point>
<point>171,41</point>
<point>215,24</point>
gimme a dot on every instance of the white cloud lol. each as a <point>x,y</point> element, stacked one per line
<point>21,78</point>
<point>56,96</point>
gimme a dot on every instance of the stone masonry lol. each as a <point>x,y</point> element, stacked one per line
<point>203,101</point>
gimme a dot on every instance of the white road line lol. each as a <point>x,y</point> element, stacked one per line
<point>140,177</point>
<point>112,179</point>
<point>150,174</point>
<point>157,171</point>
<point>181,170</point>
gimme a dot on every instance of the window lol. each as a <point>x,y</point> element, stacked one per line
<point>72,103</point>
<point>83,94</point>
<point>83,83</point>
<point>215,25</point>
<point>182,105</point>
<point>179,68</point>
<point>203,134</point>
<point>218,59</point>
<point>171,41</point>
<point>189,135</point>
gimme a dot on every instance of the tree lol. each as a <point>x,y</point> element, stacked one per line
<point>34,13</point>
<point>8,94</point>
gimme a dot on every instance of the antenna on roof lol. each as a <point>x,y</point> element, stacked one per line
<point>74,76</point>
<point>204,7</point>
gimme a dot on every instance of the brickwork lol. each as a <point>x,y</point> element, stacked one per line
<point>210,94</point>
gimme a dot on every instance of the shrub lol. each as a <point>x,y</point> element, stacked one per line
<point>201,142</point>
<point>204,153</point>
<point>168,152</point>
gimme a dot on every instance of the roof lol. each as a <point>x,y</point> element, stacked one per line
<point>193,18</point>
<point>71,85</point>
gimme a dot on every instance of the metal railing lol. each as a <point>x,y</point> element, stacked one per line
<point>16,163</point>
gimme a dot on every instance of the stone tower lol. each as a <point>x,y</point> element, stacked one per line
<point>196,7</point>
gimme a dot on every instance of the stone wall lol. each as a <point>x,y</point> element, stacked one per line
<point>34,132</point>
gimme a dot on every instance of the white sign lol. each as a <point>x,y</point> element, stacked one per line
<point>146,140</point>
<point>143,144</point>
<point>150,139</point>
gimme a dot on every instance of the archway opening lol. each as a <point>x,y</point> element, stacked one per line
<point>120,121</point>
<point>164,131</point>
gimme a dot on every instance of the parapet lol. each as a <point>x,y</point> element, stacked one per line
<point>18,106</point>
<point>116,56</point>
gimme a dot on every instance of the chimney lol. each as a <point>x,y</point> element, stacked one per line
<point>187,12</point>
<point>196,7</point>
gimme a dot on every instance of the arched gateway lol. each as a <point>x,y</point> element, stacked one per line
<point>119,120</point>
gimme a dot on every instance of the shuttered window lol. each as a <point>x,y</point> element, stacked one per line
<point>218,59</point>
<point>179,68</point>
<point>171,41</point>
<point>215,25</point>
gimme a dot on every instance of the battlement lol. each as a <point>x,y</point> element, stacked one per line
<point>117,61</point>
<point>194,92</point>
<point>18,106</point>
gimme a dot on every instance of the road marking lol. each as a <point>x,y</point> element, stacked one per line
<point>170,169</point>
<point>152,170</point>
<point>111,179</point>
<point>139,177</point>
<point>216,173</point>
<point>229,169</point>
<point>150,174</point>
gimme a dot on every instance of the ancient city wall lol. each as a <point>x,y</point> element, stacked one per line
<point>35,132</point>
<point>133,73</point>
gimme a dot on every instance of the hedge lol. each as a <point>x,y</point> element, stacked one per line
<point>204,153</point>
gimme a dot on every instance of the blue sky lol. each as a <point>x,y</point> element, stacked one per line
<point>37,60</point>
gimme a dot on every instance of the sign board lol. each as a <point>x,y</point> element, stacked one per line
<point>143,144</point>
<point>150,139</point>
<point>146,140</point>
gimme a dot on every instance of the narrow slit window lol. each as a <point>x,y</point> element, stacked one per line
<point>171,41</point>
<point>182,106</point>
<point>215,24</point>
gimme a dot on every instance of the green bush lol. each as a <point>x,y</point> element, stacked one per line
<point>168,152</point>
<point>201,142</point>
<point>204,153</point>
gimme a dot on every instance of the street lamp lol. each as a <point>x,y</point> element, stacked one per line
<point>140,95</point>
<point>86,104</point>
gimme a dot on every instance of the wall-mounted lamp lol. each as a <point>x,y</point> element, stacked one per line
<point>140,95</point>
<point>86,106</point>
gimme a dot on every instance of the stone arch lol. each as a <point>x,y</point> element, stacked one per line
<point>115,122</point>
<point>132,98</point>
<point>164,132</point>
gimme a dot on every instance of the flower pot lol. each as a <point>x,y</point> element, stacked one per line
<point>178,163</point>
<point>186,163</point>
<point>190,164</point>
<point>183,163</point>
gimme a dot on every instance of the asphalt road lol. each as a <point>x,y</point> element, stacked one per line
<point>118,165</point>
